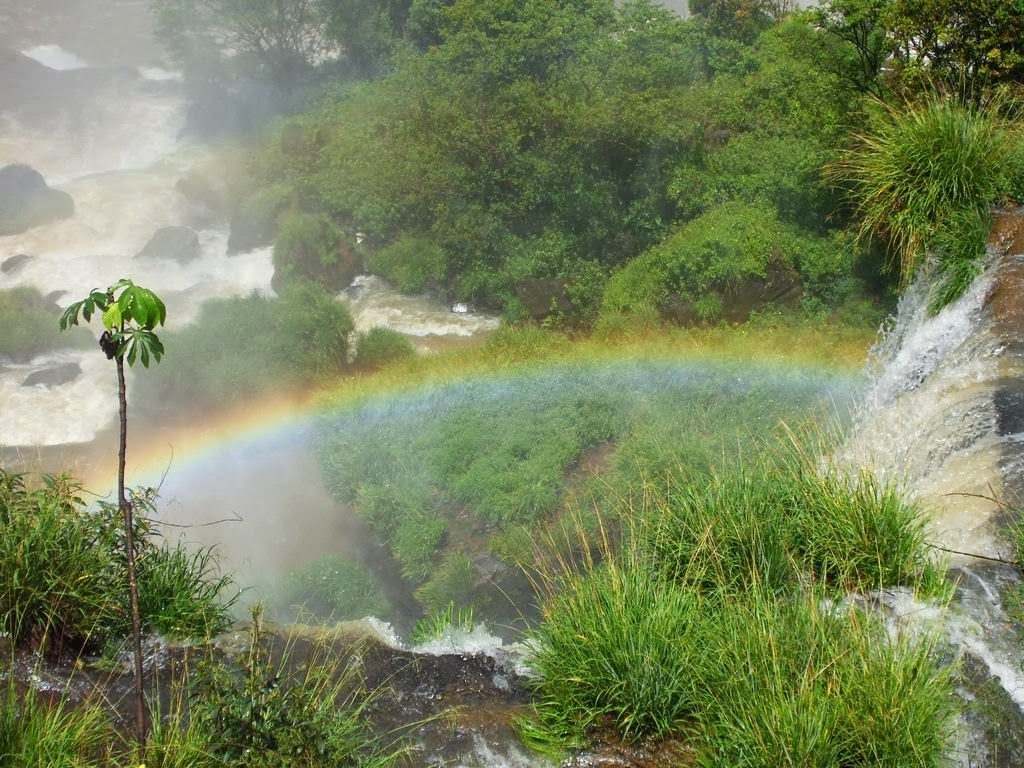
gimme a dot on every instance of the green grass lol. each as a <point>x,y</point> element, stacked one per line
<point>35,734</point>
<point>335,587</point>
<point>925,179</point>
<point>435,625</point>
<point>65,581</point>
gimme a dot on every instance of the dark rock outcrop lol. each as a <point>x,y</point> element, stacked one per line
<point>26,201</point>
<point>16,262</point>
<point>179,244</point>
<point>334,276</point>
<point>55,376</point>
<point>206,195</point>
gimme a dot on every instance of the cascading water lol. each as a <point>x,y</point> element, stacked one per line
<point>943,418</point>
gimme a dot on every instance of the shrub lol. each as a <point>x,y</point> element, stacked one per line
<point>337,587</point>
<point>283,710</point>
<point>801,685</point>
<point>413,264</point>
<point>380,345</point>
<point>741,529</point>
<point>288,341</point>
<point>732,259</point>
<point>30,326</point>
<point>452,582</point>
<point>925,179</point>
<point>182,594</point>
<point>415,544</point>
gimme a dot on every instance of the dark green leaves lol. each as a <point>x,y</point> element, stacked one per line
<point>130,313</point>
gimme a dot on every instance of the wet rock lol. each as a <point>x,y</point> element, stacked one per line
<point>55,296</point>
<point>26,201</point>
<point>541,297</point>
<point>179,244</point>
<point>16,262</point>
<point>55,376</point>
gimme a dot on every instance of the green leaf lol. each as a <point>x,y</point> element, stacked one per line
<point>112,317</point>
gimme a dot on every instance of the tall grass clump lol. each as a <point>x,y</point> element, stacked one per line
<point>797,683</point>
<point>62,567</point>
<point>36,734</point>
<point>925,178</point>
<point>617,646</point>
<point>781,518</point>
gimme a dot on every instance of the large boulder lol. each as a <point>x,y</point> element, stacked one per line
<point>179,244</point>
<point>26,201</point>
<point>206,194</point>
<point>55,376</point>
<point>15,263</point>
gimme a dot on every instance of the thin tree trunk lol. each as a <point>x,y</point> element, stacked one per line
<point>129,544</point>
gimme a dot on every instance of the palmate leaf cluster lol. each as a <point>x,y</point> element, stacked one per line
<point>130,315</point>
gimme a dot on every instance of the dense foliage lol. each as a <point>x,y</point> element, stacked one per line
<point>30,327</point>
<point>241,347</point>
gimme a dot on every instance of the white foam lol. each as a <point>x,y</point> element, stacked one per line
<point>55,57</point>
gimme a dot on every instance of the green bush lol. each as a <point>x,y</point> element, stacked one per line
<point>310,248</point>
<point>337,587</point>
<point>380,345</point>
<point>413,264</point>
<point>731,260</point>
<point>763,527</point>
<point>299,338</point>
<point>30,326</point>
<point>452,582</point>
<point>925,179</point>
<point>415,545</point>
<point>618,646</point>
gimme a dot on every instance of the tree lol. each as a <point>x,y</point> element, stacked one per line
<point>860,24</point>
<point>970,45</point>
<point>130,314</point>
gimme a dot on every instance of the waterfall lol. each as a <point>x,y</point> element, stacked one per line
<point>943,416</point>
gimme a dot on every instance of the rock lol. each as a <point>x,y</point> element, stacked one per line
<point>541,297</point>
<point>55,376</point>
<point>16,262</point>
<point>206,195</point>
<point>179,244</point>
<point>54,296</point>
<point>26,201</point>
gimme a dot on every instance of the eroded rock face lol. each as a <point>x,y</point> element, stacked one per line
<point>179,244</point>
<point>55,376</point>
<point>26,201</point>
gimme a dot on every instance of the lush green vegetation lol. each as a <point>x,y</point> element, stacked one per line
<point>337,587</point>
<point>282,702</point>
<point>717,619</point>
<point>438,473</point>
<point>926,178</point>
<point>30,326</point>
<point>64,571</point>
<point>249,346</point>
<point>380,345</point>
